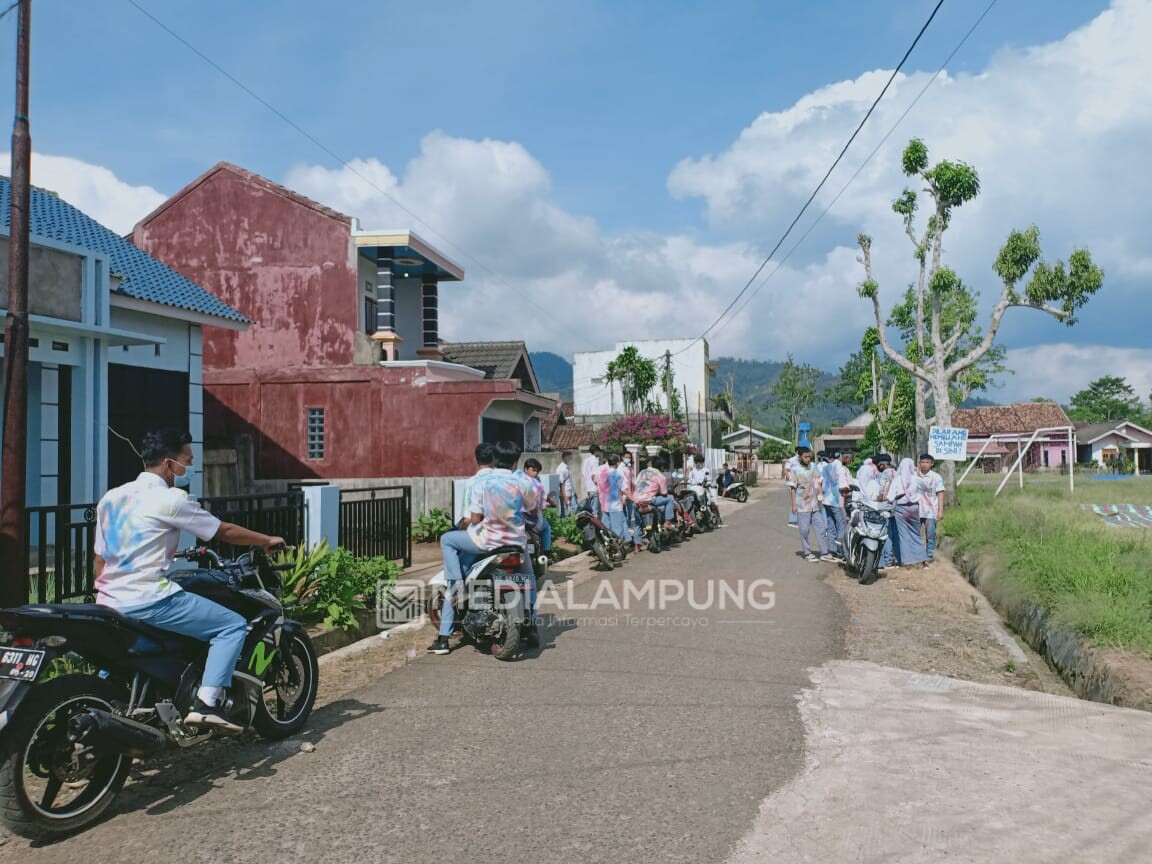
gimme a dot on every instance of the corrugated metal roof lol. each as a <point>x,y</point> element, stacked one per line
<point>144,277</point>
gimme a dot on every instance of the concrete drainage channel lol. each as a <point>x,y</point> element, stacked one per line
<point>1088,674</point>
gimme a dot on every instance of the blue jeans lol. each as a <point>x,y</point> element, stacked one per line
<point>836,526</point>
<point>460,551</point>
<point>665,501</point>
<point>199,618</point>
<point>929,535</point>
<point>546,534</point>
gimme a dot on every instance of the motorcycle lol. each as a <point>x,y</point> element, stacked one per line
<point>67,742</point>
<point>868,523</point>
<point>684,508</point>
<point>491,602</point>
<point>737,491</point>
<point>704,511</point>
<point>656,535</point>
<point>596,538</point>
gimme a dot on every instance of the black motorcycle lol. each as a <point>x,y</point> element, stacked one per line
<point>67,741</point>
<point>597,538</point>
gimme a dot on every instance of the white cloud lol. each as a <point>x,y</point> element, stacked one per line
<point>1058,133</point>
<point>555,279</point>
<point>1059,370</point>
<point>92,189</point>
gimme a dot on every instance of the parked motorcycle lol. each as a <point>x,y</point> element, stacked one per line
<point>596,538</point>
<point>67,742</point>
<point>737,491</point>
<point>868,525</point>
<point>491,604</point>
<point>656,535</point>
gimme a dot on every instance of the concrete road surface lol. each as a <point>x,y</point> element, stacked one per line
<point>622,740</point>
<point>721,735</point>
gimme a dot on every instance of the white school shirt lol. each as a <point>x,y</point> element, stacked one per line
<point>564,475</point>
<point>588,469</point>
<point>138,529</point>
<point>924,490</point>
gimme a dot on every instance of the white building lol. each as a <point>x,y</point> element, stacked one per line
<point>596,399</point>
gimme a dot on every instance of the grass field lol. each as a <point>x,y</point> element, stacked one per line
<point>1093,577</point>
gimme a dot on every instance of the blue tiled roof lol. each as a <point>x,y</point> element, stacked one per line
<point>145,278</point>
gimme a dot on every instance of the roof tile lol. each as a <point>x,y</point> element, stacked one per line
<point>144,277</point>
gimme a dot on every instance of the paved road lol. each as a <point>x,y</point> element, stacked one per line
<point>617,742</point>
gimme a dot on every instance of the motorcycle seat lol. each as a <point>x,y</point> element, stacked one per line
<point>149,638</point>
<point>509,549</point>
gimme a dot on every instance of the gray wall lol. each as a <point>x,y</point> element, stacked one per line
<point>55,281</point>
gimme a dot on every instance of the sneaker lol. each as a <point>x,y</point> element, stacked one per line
<point>830,558</point>
<point>210,717</point>
<point>810,557</point>
<point>440,646</point>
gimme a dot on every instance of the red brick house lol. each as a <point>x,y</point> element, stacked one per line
<point>340,373</point>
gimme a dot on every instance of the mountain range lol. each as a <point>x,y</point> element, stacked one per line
<point>752,382</point>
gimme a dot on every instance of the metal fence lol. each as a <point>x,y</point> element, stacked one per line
<point>58,552</point>
<point>377,521</point>
<point>280,514</point>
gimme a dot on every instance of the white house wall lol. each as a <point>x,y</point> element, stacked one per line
<point>689,367</point>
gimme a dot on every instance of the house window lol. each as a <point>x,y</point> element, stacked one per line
<point>369,313</point>
<point>315,433</point>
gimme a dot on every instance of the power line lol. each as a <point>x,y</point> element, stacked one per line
<point>824,180</point>
<point>863,164</point>
<point>4,14</point>
<point>344,163</point>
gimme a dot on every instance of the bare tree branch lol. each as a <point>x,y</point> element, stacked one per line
<point>892,354</point>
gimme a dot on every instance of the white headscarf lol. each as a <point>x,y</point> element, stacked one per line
<point>906,472</point>
<point>866,474</point>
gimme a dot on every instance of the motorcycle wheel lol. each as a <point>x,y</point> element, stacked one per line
<point>601,554</point>
<point>289,691</point>
<point>44,791</point>
<point>704,519</point>
<point>868,561</point>
<point>507,645</point>
<point>741,495</point>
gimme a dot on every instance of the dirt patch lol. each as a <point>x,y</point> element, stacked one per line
<point>931,620</point>
<point>354,670</point>
<point>1131,675</point>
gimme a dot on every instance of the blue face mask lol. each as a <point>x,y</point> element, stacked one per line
<point>182,481</point>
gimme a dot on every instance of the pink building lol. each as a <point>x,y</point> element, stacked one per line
<point>341,373</point>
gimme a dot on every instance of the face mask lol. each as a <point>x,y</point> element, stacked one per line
<point>182,481</point>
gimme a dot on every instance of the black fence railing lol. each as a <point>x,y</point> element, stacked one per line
<point>377,521</point>
<point>58,552</point>
<point>280,514</point>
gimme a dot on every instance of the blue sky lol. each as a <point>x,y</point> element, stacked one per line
<point>617,134</point>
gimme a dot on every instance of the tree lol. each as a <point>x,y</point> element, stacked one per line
<point>945,351</point>
<point>774,451</point>
<point>871,379</point>
<point>795,392</point>
<point>1107,398</point>
<point>636,376</point>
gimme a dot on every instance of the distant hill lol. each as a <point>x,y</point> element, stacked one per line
<point>753,381</point>
<point>553,373</point>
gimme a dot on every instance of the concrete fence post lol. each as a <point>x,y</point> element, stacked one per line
<point>321,515</point>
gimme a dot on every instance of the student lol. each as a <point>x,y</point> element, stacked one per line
<point>928,492</point>
<point>611,482</point>
<point>588,473</point>
<point>805,487</point>
<point>567,488</point>
<point>909,542</point>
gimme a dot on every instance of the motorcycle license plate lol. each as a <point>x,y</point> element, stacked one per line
<point>20,664</point>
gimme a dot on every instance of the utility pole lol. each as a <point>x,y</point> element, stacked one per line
<point>13,491</point>
<point>668,381</point>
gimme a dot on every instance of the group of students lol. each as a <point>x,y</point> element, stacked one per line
<point>616,492</point>
<point>821,486</point>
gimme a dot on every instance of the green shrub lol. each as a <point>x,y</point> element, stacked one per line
<point>563,527</point>
<point>329,586</point>
<point>431,526</point>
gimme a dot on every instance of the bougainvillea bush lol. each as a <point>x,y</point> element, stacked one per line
<point>671,435</point>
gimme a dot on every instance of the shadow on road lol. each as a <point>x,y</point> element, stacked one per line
<point>178,777</point>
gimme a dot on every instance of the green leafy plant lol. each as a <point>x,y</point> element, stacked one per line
<point>563,527</point>
<point>300,583</point>
<point>431,526</point>
<point>330,585</point>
